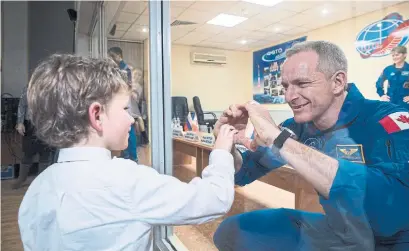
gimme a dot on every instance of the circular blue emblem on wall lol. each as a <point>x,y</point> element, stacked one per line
<point>379,38</point>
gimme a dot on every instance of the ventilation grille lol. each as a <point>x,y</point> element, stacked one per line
<point>208,58</point>
<point>180,22</point>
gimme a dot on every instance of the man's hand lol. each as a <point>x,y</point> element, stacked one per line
<point>236,116</point>
<point>265,128</point>
<point>21,129</point>
<point>406,99</point>
<point>385,98</point>
<point>225,138</point>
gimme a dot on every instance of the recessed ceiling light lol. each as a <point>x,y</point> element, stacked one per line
<point>277,29</point>
<point>268,3</point>
<point>243,41</point>
<point>144,29</point>
<point>227,20</point>
<point>324,11</point>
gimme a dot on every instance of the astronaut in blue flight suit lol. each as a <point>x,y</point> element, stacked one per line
<point>131,151</point>
<point>397,76</point>
<point>353,151</point>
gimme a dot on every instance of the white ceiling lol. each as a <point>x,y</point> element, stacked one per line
<point>264,25</point>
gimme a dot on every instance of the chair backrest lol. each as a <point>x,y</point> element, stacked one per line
<point>180,108</point>
<point>198,110</point>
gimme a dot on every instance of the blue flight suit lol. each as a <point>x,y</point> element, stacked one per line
<point>398,84</point>
<point>368,204</point>
<point>131,151</point>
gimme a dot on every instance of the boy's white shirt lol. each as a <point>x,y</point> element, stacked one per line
<point>89,201</point>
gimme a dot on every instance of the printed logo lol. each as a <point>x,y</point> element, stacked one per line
<point>314,143</point>
<point>379,38</point>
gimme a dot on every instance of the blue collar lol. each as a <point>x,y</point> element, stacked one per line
<point>351,107</point>
<point>83,154</point>
<point>349,111</point>
<point>404,67</point>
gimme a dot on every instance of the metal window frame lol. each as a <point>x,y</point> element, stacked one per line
<point>160,105</point>
<point>160,95</point>
<point>98,24</point>
<point>102,31</point>
<point>160,76</point>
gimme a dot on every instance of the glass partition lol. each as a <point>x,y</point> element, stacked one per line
<point>231,52</point>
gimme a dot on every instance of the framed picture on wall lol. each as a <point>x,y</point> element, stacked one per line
<point>267,88</point>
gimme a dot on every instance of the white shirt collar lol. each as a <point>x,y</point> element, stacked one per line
<point>83,154</point>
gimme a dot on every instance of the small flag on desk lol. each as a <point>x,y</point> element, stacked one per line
<point>192,122</point>
<point>395,122</point>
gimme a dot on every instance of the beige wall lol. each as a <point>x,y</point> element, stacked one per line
<point>217,86</point>
<point>363,72</point>
<point>233,80</point>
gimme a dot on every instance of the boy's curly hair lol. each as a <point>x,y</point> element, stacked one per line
<point>61,90</point>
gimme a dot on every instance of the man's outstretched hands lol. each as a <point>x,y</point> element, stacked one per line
<point>265,130</point>
<point>236,116</point>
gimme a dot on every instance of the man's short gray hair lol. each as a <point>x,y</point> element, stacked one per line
<point>330,57</point>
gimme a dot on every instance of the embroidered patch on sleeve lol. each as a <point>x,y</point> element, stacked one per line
<point>395,122</point>
<point>353,153</point>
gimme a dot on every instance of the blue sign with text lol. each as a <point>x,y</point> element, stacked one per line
<point>267,88</point>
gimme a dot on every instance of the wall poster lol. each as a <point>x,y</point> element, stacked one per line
<point>379,38</point>
<point>267,88</point>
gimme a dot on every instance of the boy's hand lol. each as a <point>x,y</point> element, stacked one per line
<point>236,116</point>
<point>225,138</point>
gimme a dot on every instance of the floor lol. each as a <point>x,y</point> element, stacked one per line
<point>257,196</point>
<point>10,202</point>
<point>195,238</point>
<point>200,237</point>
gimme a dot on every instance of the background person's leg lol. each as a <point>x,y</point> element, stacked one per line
<point>44,161</point>
<point>131,152</point>
<point>29,151</point>
<point>125,153</point>
<point>54,156</point>
<point>25,163</point>
<point>266,230</point>
<point>45,155</point>
<point>132,145</point>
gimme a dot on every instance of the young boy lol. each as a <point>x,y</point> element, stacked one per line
<point>90,201</point>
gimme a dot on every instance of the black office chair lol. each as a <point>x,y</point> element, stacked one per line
<point>201,115</point>
<point>180,109</point>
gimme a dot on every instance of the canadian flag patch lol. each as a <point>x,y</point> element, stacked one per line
<point>395,122</point>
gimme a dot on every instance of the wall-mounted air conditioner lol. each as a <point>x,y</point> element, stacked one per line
<point>198,57</point>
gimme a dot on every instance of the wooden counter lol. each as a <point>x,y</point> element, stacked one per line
<point>285,177</point>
